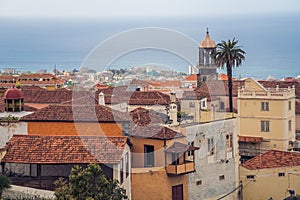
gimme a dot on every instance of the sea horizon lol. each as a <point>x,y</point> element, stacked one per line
<point>270,41</point>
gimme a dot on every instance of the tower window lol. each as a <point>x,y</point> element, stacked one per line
<point>290,125</point>
<point>290,105</point>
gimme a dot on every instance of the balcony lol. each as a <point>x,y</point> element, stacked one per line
<point>180,159</point>
<point>180,169</point>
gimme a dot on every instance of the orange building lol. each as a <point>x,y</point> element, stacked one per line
<point>76,120</point>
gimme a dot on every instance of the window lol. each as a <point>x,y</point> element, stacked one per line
<point>265,106</point>
<point>290,125</point>
<point>281,174</point>
<point>199,182</point>
<point>192,104</point>
<point>229,141</point>
<point>210,146</point>
<point>203,104</point>
<point>222,106</point>
<point>121,171</point>
<point>250,176</point>
<point>290,105</point>
<point>222,177</point>
<point>148,156</point>
<point>265,126</point>
<point>190,153</point>
<point>127,164</point>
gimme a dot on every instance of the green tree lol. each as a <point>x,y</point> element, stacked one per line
<point>4,184</point>
<point>89,183</point>
<point>229,55</point>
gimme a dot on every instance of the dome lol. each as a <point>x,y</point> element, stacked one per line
<point>13,93</point>
<point>207,42</point>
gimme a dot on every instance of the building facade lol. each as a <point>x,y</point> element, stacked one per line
<point>216,162</point>
<point>266,118</point>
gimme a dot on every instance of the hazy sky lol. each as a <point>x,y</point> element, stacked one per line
<point>142,8</point>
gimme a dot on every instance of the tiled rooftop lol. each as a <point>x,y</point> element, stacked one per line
<point>144,117</point>
<point>210,89</point>
<point>64,149</point>
<point>121,94</point>
<point>69,113</point>
<point>155,132</point>
<point>178,147</point>
<point>273,159</point>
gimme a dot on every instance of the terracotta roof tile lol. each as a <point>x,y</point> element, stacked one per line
<point>282,84</point>
<point>71,113</point>
<point>144,117</point>
<point>210,89</point>
<point>178,147</point>
<point>47,96</point>
<point>120,94</point>
<point>64,149</point>
<point>273,159</point>
<point>155,132</point>
<point>192,77</point>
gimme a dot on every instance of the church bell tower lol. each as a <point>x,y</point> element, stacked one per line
<point>207,66</point>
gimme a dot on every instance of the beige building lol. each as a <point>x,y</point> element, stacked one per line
<point>266,118</point>
<point>272,175</point>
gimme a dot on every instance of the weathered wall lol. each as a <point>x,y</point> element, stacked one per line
<point>154,183</point>
<point>191,111</point>
<point>205,182</point>
<point>8,130</point>
<point>71,128</point>
<point>267,183</point>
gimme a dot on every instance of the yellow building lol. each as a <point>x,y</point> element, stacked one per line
<point>271,175</point>
<point>266,118</point>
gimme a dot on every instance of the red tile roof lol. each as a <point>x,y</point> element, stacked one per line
<point>47,96</point>
<point>213,88</point>
<point>273,159</point>
<point>282,84</point>
<point>64,149</point>
<point>155,132</point>
<point>178,147</point>
<point>13,93</point>
<point>144,117</point>
<point>69,113</point>
<point>192,77</point>
<point>120,94</point>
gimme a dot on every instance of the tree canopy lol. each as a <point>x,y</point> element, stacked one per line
<point>89,183</point>
<point>229,55</point>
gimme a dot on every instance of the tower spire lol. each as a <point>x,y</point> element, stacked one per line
<point>207,32</point>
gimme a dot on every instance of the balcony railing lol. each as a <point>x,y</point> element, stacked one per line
<point>179,169</point>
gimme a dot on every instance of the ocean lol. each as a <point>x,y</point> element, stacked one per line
<point>271,42</point>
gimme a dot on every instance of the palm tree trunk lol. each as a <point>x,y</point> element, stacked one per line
<point>229,74</point>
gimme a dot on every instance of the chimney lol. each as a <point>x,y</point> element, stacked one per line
<point>101,100</point>
<point>173,97</point>
<point>173,110</point>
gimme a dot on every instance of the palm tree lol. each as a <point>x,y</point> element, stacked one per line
<point>231,55</point>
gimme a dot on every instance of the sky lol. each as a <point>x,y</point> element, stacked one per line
<point>142,8</point>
